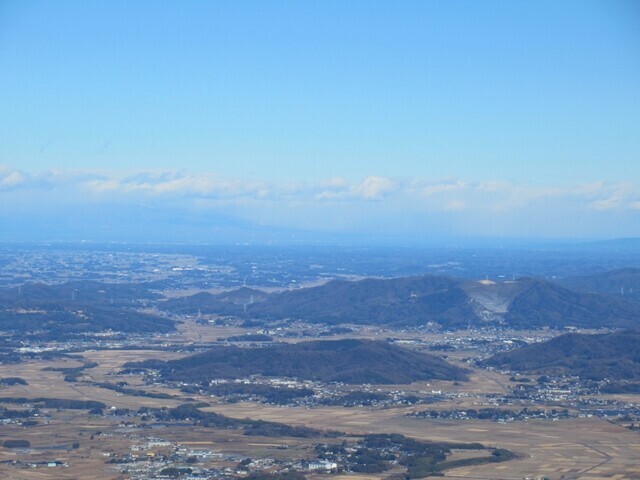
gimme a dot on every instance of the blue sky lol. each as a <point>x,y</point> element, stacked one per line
<point>496,118</point>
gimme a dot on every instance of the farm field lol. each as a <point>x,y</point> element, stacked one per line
<point>575,448</point>
<point>582,448</point>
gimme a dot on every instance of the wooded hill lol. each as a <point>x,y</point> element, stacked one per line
<point>349,361</point>
<point>409,301</point>
<point>52,312</point>
<point>612,356</point>
<point>623,283</point>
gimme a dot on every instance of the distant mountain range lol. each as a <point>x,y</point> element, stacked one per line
<point>585,302</point>
<point>613,356</point>
<point>537,303</point>
<point>80,292</point>
<point>622,283</point>
<point>226,303</point>
<point>58,311</point>
<point>409,301</point>
<point>349,361</point>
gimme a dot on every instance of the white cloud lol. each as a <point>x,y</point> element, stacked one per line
<point>439,188</point>
<point>10,178</point>
<point>334,183</point>
<point>175,184</point>
<point>604,196</point>
<point>415,194</point>
<point>105,185</point>
<point>373,188</point>
<point>370,188</point>
<point>373,203</point>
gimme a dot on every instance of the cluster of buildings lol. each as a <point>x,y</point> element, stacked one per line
<point>155,458</point>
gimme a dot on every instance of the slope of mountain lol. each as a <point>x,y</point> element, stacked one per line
<point>56,311</point>
<point>225,303</point>
<point>85,292</point>
<point>613,355</point>
<point>623,283</point>
<point>400,301</point>
<point>349,361</point>
<point>60,321</point>
<point>410,301</point>
<point>542,303</point>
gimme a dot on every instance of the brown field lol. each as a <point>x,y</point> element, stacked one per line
<point>42,383</point>
<point>580,448</point>
<point>190,331</point>
<point>569,449</point>
<point>53,442</point>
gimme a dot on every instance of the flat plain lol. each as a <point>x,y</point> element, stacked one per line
<point>589,448</point>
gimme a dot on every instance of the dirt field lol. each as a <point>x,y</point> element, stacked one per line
<point>569,449</point>
<point>51,384</point>
<point>579,448</point>
<point>53,440</point>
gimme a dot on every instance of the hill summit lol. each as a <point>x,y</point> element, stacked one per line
<point>452,303</point>
<point>348,361</point>
<point>611,355</point>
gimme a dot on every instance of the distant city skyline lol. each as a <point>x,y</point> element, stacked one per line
<point>414,120</point>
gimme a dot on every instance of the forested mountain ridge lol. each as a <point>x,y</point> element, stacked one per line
<point>59,310</point>
<point>622,283</point>
<point>411,301</point>
<point>348,361</point>
<point>611,355</point>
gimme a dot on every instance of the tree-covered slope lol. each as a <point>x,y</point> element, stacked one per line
<point>349,361</point>
<point>613,355</point>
